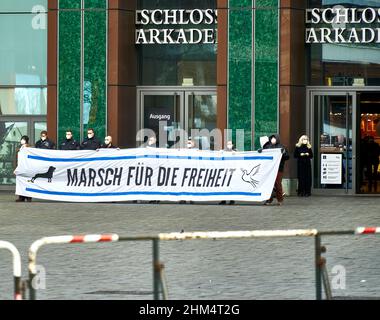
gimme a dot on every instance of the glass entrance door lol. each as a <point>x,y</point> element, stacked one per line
<point>178,108</point>
<point>332,133</point>
<point>201,112</point>
<point>12,128</point>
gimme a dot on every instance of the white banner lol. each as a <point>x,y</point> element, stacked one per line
<point>146,174</point>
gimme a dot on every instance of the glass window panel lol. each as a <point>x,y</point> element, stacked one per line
<point>23,51</point>
<point>10,136</point>
<point>38,128</point>
<point>21,5</point>
<point>23,101</point>
<point>335,64</point>
<point>166,65</point>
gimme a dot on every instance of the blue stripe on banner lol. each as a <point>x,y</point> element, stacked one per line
<point>150,157</point>
<point>110,194</point>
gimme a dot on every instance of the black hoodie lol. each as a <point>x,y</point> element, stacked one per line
<point>278,145</point>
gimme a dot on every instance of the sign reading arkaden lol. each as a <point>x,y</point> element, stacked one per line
<point>146,174</point>
<point>343,25</point>
<point>176,26</point>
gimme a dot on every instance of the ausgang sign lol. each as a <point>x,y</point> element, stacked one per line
<point>176,26</point>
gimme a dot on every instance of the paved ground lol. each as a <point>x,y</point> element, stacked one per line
<point>238,269</point>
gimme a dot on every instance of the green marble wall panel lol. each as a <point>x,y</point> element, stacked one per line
<point>240,68</point>
<point>95,4</point>
<point>266,68</point>
<point>69,4</point>
<point>69,75</point>
<point>95,71</point>
<point>91,62</point>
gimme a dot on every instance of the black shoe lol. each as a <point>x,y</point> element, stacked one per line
<point>232,202</point>
<point>223,203</point>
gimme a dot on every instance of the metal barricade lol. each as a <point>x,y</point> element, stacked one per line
<point>16,260</point>
<point>159,282</point>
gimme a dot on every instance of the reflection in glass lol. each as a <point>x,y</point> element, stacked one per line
<point>21,5</point>
<point>333,134</point>
<point>334,64</point>
<point>10,136</point>
<point>23,101</point>
<point>202,115</point>
<point>23,51</point>
<point>38,128</point>
<point>165,65</point>
<point>165,108</point>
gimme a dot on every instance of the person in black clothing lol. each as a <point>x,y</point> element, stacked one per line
<point>45,142</point>
<point>24,143</point>
<point>303,153</point>
<point>69,143</point>
<point>229,148</point>
<point>275,143</point>
<point>91,142</point>
<point>372,159</point>
<point>108,143</point>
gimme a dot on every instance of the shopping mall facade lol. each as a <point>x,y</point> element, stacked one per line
<point>121,65</point>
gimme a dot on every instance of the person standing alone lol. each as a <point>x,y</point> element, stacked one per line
<point>304,153</point>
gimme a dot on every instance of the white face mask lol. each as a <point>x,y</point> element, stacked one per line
<point>107,141</point>
<point>229,146</point>
<point>90,135</point>
<point>68,137</point>
<point>43,138</point>
<point>273,141</point>
<point>23,142</point>
<point>151,142</point>
<point>189,145</point>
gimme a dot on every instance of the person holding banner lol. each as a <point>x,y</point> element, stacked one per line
<point>304,153</point>
<point>229,148</point>
<point>45,142</point>
<point>69,143</point>
<point>108,143</point>
<point>275,143</point>
<point>24,144</point>
<point>91,142</point>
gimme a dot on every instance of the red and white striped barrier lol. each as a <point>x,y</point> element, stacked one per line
<point>16,259</point>
<point>367,230</point>
<point>90,238</point>
<point>238,234</point>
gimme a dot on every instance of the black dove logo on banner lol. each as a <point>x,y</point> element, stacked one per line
<point>249,177</point>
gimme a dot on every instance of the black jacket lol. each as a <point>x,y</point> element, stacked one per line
<point>278,145</point>
<point>90,144</point>
<point>69,145</point>
<point>108,146</point>
<point>47,144</point>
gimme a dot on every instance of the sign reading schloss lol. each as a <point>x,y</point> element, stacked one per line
<point>331,168</point>
<point>343,25</point>
<point>146,174</point>
<point>170,19</point>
